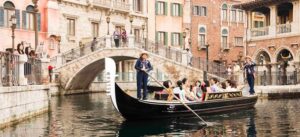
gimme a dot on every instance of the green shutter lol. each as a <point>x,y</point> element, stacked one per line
<point>171,6</point>
<point>181,39</point>
<point>39,21</point>
<point>172,38</point>
<point>166,8</point>
<point>180,10</point>
<point>24,19</point>
<point>1,17</point>
<point>156,7</point>
<point>166,38</point>
<point>156,37</point>
<point>18,19</point>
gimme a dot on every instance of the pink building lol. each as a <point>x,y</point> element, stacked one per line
<point>23,10</point>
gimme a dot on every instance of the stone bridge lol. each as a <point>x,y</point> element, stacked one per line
<point>79,67</point>
<point>78,74</point>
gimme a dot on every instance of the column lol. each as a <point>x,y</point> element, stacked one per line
<point>184,56</point>
<point>145,5</point>
<point>22,78</point>
<point>44,67</point>
<point>295,23</point>
<point>249,24</point>
<point>131,5</point>
<point>120,71</point>
<point>272,28</point>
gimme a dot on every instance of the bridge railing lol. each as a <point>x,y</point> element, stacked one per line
<point>33,71</point>
<point>131,76</point>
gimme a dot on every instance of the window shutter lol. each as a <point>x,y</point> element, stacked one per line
<point>39,21</point>
<point>171,6</point>
<point>172,38</point>
<point>156,37</point>
<point>24,19</point>
<point>156,7</point>
<point>18,19</point>
<point>166,8</point>
<point>180,10</point>
<point>166,38</point>
<point>181,39</point>
<point>1,17</point>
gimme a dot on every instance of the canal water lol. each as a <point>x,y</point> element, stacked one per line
<point>92,115</point>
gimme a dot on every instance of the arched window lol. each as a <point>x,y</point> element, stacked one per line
<point>9,10</point>
<point>28,15</point>
<point>233,15</point>
<point>224,12</point>
<point>202,37</point>
<point>225,39</point>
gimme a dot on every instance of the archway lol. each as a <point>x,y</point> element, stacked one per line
<point>264,69</point>
<point>283,58</point>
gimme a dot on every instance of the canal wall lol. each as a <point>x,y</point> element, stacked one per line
<point>21,102</point>
<point>276,92</point>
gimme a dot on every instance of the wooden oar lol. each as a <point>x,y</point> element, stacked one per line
<point>205,123</point>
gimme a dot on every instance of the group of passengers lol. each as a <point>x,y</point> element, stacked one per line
<point>185,91</point>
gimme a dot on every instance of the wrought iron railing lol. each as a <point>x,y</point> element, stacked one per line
<point>9,69</point>
<point>131,76</point>
<point>284,28</point>
<point>33,71</point>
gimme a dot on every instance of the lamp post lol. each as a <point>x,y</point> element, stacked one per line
<point>205,72</point>
<point>36,10</point>
<point>183,36</point>
<point>143,28</point>
<point>131,20</point>
<point>107,21</point>
<point>58,38</point>
<point>13,27</point>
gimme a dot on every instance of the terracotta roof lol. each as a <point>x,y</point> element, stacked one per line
<point>258,3</point>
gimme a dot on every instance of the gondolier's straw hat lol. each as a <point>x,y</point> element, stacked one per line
<point>144,53</point>
<point>248,57</point>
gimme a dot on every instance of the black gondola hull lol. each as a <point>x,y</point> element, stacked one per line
<point>134,109</point>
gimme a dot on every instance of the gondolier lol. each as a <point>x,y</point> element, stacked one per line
<point>250,73</point>
<point>142,65</point>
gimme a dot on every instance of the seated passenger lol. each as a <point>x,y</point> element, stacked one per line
<point>186,87</point>
<point>197,90</point>
<point>214,85</point>
<point>169,90</point>
<point>205,87</point>
<point>179,90</point>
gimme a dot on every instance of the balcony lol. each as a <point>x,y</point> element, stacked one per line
<point>256,32</point>
<point>114,4</point>
<point>102,3</point>
<point>122,6</point>
<point>283,28</point>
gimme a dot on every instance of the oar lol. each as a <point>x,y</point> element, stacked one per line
<point>205,123</point>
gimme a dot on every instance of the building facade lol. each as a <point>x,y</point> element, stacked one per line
<point>219,25</point>
<point>24,32</point>
<point>273,37</point>
<point>168,22</point>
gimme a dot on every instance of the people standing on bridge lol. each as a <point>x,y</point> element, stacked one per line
<point>116,36</point>
<point>81,48</point>
<point>190,56</point>
<point>142,66</point>
<point>249,72</point>
<point>124,36</point>
<point>94,42</point>
<point>50,70</point>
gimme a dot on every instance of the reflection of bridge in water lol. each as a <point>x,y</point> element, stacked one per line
<point>79,67</point>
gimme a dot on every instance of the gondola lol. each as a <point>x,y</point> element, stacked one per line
<point>133,109</point>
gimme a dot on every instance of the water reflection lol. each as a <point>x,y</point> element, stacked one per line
<point>94,115</point>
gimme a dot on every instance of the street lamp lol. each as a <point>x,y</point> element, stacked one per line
<point>205,72</point>
<point>183,36</point>
<point>143,28</point>
<point>131,20</point>
<point>36,10</point>
<point>107,21</point>
<point>13,27</point>
<point>58,39</point>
